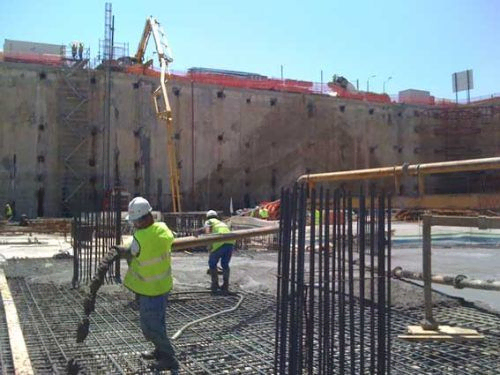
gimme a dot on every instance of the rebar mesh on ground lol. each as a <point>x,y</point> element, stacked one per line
<point>241,342</point>
<point>6,362</point>
<point>450,357</point>
<point>49,316</point>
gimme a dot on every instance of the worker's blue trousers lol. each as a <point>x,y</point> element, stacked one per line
<point>224,254</point>
<point>153,323</point>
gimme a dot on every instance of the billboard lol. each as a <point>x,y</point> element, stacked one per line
<point>462,81</point>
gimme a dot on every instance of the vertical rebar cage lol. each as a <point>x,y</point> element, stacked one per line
<point>333,292</point>
<point>96,227</point>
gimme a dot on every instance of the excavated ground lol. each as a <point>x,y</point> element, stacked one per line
<point>240,342</point>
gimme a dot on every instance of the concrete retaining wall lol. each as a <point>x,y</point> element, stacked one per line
<point>244,144</point>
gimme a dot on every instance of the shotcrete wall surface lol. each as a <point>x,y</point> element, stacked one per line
<point>28,138</point>
<point>231,143</point>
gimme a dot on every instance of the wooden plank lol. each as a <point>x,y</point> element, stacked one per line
<point>441,337</point>
<point>20,357</point>
<point>443,333</point>
<point>442,329</point>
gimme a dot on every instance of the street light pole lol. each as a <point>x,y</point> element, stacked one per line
<point>368,82</point>
<point>386,81</point>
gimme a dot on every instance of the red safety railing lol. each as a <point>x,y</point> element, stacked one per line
<point>258,83</point>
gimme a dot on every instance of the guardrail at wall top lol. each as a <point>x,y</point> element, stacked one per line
<point>481,222</point>
<point>405,169</point>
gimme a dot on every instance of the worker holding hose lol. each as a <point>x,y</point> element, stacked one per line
<point>150,276</point>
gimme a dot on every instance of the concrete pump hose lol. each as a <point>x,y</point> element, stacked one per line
<point>179,332</point>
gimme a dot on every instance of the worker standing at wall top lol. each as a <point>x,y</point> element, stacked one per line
<point>80,51</point>
<point>150,276</point>
<point>73,50</point>
<point>218,251</point>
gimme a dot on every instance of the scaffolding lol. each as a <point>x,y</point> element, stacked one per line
<point>75,129</point>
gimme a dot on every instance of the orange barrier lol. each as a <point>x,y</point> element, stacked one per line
<point>253,82</point>
<point>359,95</point>
<point>273,209</point>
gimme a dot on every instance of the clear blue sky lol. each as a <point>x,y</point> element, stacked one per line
<point>420,43</point>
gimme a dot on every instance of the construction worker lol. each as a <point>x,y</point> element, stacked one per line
<point>8,212</point>
<point>255,212</point>
<point>80,51</point>
<point>218,251</point>
<point>263,213</point>
<point>73,50</point>
<point>150,276</point>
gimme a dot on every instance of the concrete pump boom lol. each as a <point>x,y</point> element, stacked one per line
<point>160,99</point>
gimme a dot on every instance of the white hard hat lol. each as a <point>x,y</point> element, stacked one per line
<point>137,208</point>
<point>211,213</point>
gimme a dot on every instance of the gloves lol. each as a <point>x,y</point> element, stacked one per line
<point>120,250</point>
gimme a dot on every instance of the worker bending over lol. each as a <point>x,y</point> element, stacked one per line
<point>150,276</point>
<point>218,251</point>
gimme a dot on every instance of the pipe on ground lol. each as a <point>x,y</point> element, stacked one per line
<point>459,281</point>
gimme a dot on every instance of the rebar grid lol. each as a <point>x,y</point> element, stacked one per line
<point>241,342</point>
<point>449,357</point>
<point>236,343</point>
<point>6,362</point>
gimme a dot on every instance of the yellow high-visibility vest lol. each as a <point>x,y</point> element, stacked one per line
<point>150,272</point>
<point>219,227</point>
<point>8,211</point>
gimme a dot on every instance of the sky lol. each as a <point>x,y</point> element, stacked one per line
<point>418,43</point>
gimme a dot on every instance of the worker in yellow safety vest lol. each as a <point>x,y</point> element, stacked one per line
<point>8,212</point>
<point>263,213</point>
<point>218,251</point>
<point>150,276</point>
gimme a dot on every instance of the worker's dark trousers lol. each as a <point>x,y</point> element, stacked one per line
<point>223,253</point>
<point>153,324</point>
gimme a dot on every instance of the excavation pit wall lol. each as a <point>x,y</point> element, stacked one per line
<point>232,142</point>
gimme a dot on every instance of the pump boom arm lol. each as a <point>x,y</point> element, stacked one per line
<point>160,99</point>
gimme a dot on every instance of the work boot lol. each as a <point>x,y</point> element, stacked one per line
<point>214,286</point>
<point>165,363</point>
<point>153,354</point>
<point>225,281</point>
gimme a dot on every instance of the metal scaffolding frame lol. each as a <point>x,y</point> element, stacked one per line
<point>75,134</point>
